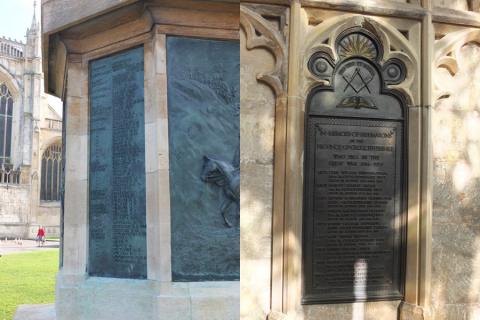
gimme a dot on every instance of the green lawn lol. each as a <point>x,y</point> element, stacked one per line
<point>27,278</point>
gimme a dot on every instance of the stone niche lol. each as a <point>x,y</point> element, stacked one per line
<point>151,224</point>
<point>341,173</point>
<point>354,190</point>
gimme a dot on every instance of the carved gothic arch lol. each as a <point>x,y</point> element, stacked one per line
<point>395,45</point>
<point>447,56</point>
<point>16,90</point>
<point>354,81</point>
<point>46,144</point>
<point>261,34</point>
<point>399,43</point>
<point>11,83</point>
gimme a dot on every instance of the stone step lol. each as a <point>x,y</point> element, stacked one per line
<point>35,312</point>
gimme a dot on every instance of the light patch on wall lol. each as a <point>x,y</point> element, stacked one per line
<point>474,158</point>
<point>474,314</point>
<point>462,174</point>
<point>451,4</point>
<point>472,125</point>
<point>254,264</point>
<point>441,76</point>
<point>475,283</point>
<point>360,279</point>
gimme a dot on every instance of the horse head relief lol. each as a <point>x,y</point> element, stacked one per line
<point>224,175</point>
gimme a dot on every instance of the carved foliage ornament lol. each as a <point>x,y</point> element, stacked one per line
<point>357,44</point>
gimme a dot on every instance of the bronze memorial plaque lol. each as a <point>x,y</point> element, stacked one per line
<point>354,195</point>
<point>117,186</point>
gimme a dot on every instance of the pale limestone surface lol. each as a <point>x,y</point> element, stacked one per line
<point>35,312</point>
<point>257,117</point>
<point>15,200</point>
<point>462,5</point>
<point>106,298</point>
<point>452,4</point>
<point>387,310</point>
<point>456,164</point>
<point>59,13</point>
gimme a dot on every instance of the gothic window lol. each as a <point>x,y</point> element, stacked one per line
<point>51,175</point>
<point>6,115</point>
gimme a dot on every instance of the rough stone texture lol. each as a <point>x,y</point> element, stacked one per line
<point>383,310</point>
<point>277,316</point>
<point>104,298</point>
<point>451,4</point>
<point>14,204</point>
<point>35,312</point>
<point>256,188</point>
<point>456,184</point>
<point>412,312</point>
<point>464,5</point>
<point>57,13</point>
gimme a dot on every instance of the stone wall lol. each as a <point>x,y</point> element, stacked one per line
<point>48,215</point>
<point>465,5</point>
<point>452,4</point>
<point>272,159</point>
<point>257,117</point>
<point>14,210</point>
<point>456,180</point>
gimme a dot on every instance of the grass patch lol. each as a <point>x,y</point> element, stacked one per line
<point>27,278</point>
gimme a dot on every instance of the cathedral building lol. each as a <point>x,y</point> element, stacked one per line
<point>30,141</point>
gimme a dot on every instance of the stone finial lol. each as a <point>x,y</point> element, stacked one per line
<point>34,18</point>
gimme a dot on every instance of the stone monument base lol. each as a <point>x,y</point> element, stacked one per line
<point>35,312</point>
<point>85,298</point>
<point>413,312</point>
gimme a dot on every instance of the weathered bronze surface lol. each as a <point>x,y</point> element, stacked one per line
<point>354,193</point>
<point>204,142</point>
<point>117,214</point>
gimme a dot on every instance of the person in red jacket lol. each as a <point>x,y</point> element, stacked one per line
<point>40,236</point>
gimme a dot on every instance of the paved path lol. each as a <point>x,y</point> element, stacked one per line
<point>12,246</point>
<point>35,312</point>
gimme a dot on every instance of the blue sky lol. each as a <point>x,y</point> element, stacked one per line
<point>15,17</point>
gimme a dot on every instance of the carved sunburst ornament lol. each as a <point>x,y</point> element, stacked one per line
<point>357,44</point>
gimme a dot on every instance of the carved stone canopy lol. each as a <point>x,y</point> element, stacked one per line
<point>358,79</point>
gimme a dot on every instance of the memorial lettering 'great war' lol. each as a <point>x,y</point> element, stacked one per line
<point>354,175</point>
